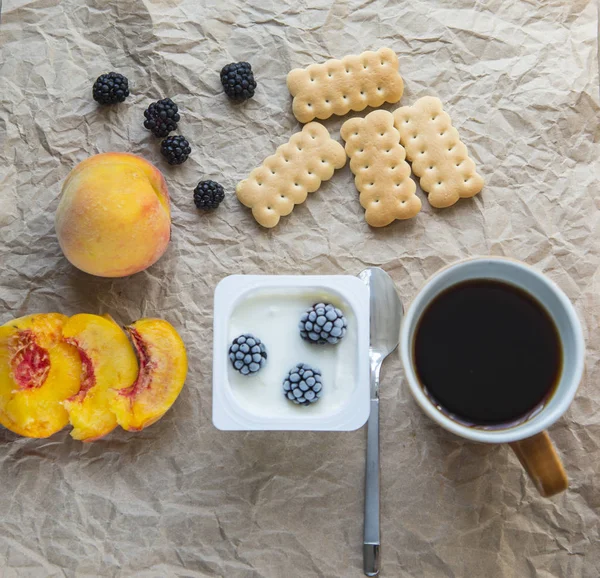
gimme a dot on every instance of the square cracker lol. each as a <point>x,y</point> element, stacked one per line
<point>382,176</point>
<point>339,86</point>
<point>285,178</point>
<point>438,156</point>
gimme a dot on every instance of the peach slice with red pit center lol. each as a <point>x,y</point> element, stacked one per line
<point>107,362</point>
<point>38,371</point>
<point>163,369</point>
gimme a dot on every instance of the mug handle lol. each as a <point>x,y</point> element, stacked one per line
<point>541,462</point>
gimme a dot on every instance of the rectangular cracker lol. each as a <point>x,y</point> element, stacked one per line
<point>438,156</point>
<point>339,86</point>
<point>285,178</point>
<point>382,176</point>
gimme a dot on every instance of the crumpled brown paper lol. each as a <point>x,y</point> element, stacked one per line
<point>520,81</point>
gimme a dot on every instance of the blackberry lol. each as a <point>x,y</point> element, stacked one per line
<point>323,323</point>
<point>110,88</point>
<point>208,195</point>
<point>238,81</point>
<point>247,354</point>
<point>162,117</point>
<point>176,149</point>
<point>303,385</point>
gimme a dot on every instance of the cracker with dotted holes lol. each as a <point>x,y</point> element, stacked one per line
<point>381,174</point>
<point>296,169</point>
<point>438,156</point>
<point>339,86</point>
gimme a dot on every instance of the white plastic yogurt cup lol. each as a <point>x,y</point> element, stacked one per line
<point>270,307</point>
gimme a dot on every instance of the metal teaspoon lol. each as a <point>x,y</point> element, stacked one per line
<point>386,313</point>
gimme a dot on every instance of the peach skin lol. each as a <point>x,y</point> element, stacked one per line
<point>38,371</point>
<point>163,368</point>
<point>114,218</point>
<point>107,362</point>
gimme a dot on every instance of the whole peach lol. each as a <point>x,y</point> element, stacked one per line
<point>113,218</point>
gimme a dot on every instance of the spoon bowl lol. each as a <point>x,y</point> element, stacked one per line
<point>386,312</point>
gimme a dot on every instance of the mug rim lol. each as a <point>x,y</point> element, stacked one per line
<point>513,432</point>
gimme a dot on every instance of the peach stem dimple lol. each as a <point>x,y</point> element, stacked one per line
<point>30,363</point>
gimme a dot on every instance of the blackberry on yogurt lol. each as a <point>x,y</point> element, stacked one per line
<point>247,354</point>
<point>323,323</point>
<point>303,385</point>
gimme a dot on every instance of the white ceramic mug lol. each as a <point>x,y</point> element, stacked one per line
<point>528,439</point>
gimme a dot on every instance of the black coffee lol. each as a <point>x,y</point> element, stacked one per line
<point>487,353</point>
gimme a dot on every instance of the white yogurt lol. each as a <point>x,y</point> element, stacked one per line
<point>273,316</point>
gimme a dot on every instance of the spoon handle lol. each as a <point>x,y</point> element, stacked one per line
<point>371,541</point>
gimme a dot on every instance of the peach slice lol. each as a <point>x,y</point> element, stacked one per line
<point>37,372</point>
<point>107,362</point>
<point>163,368</point>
